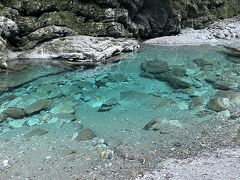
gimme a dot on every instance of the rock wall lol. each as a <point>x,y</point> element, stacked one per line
<point>35,22</point>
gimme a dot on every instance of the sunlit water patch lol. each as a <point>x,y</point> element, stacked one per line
<point>160,102</point>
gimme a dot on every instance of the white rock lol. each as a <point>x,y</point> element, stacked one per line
<point>84,48</point>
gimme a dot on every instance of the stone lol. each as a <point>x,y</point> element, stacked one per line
<point>36,132</point>
<point>163,126</point>
<point>33,121</point>
<point>86,50</point>
<point>17,123</point>
<point>225,85</point>
<point>227,94</point>
<point>196,102</point>
<point>3,117</point>
<point>216,104</point>
<point>202,62</point>
<point>108,105</point>
<point>63,108</point>
<point>179,71</point>
<point>64,117</point>
<point>150,125</point>
<point>36,107</point>
<point>224,115</point>
<point>155,66</point>
<point>178,83</point>
<point>15,113</point>
<point>85,135</point>
<point>70,89</point>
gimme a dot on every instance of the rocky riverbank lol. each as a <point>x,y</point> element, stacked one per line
<point>219,33</point>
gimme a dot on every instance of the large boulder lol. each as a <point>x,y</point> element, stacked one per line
<point>81,48</point>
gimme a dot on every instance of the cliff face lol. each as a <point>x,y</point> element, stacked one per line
<point>41,20</point>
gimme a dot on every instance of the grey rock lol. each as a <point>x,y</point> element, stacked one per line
<point>36,107</point>
<point>216,104</point>
<point>155,66</point>
<point>3,117</point>
<point>85,135</point>
<point>15,113</point>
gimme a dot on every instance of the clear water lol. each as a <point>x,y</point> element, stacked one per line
<point>137,100</point>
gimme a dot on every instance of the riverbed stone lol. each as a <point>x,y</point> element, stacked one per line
<point>15,113</point>
<point>202,62</point>
<point>39,105</point>
<point>216,104</point>
<point>17,123</point>
<point>3,117</point>
<point>196,102</point>
<point>85,135</point>
<point>155,66</point>
<point>63,108</point>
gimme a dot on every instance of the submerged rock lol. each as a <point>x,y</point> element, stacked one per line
<point>63,108</point>
<point>36,107</point>
<point>155,66</point>
<point>15,113</point>
<point>202,62</point>
<point>216,104</point>
<point>36,132</point>
<point>3,117</point>
<point>160,70</point>
<point>17,123</point>
<point>85,135</point>
<point>196,102</point>
<point>163,126</point>
<point>108,105</point>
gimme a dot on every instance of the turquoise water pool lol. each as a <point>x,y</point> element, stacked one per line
<point>117,101</point>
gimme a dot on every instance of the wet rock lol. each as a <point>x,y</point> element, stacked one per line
<point>40,105</point>
<point>228,94</point>
<point>108,105</point>
<point>196,102</point>
<point>63,108</point>
<point>204,113</point>
<point>14,113</point>
<point>225,85</point>
<point>151,124</point>
<point>202,62</point>
<point>224,115</point>
<point>155,66</point>
<point>64,117</point>
<point>163,126</point>
<point>178,83</point>
<point>216,104</point>
<point>17,123</point>
<point>179,71</point>
<point>166,101</point>
<point>123,154</point>
<point>146,75</point>
<point>70,89</point>
<point>85,135</point>
<point>3,117</point>
<point>107,154</point>
<point>36,132</point>
<point>47,88</point>
<point>33,121</point>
